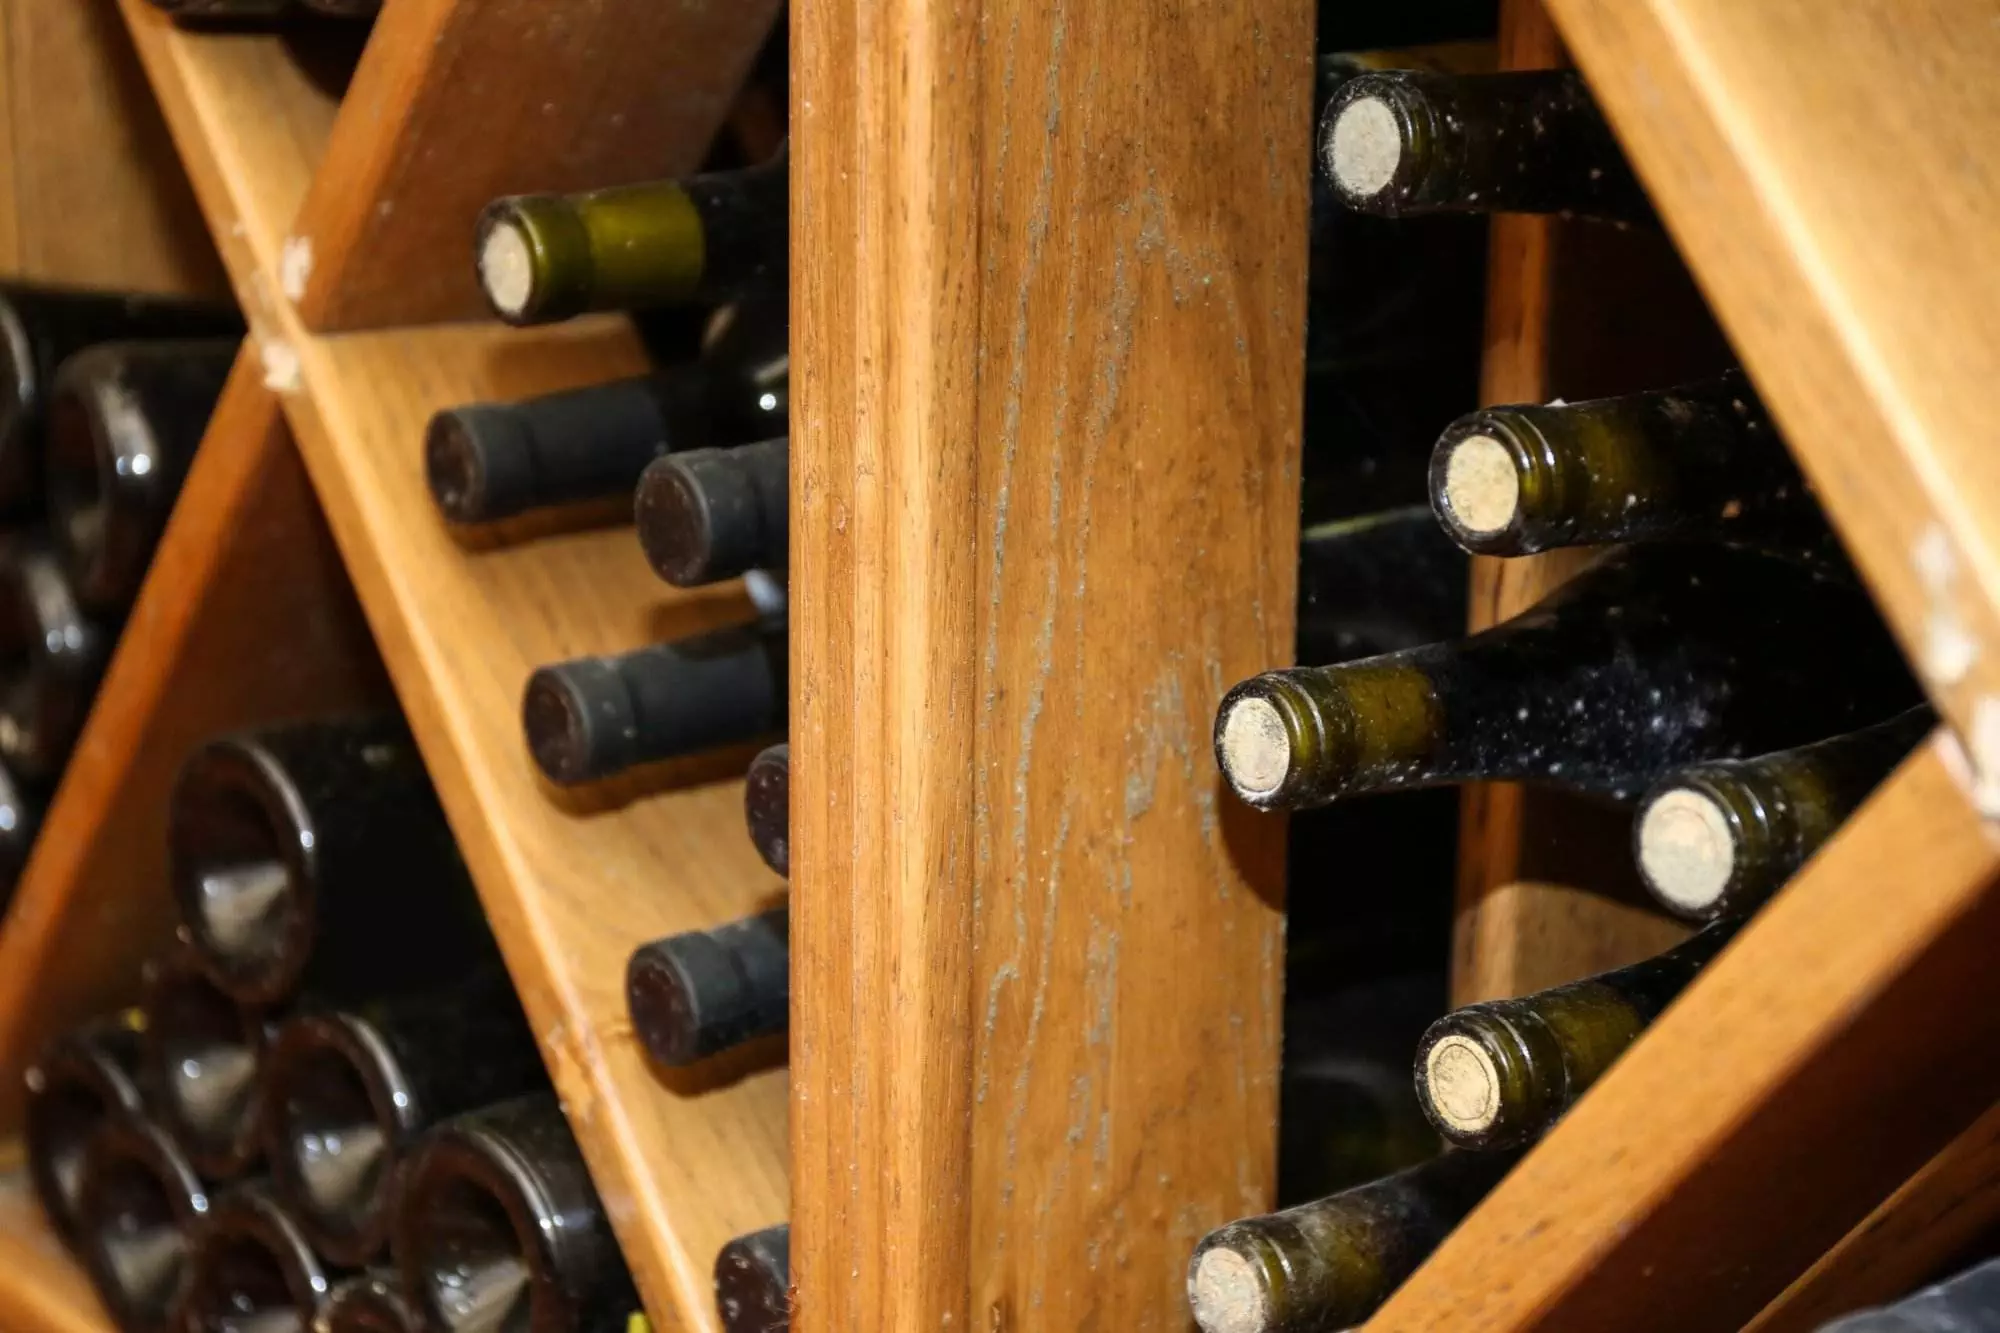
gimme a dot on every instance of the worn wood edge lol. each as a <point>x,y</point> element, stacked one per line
<point>41,1288</point>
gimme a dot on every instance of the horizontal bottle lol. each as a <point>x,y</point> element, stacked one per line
<point>78,1082</point>
<point>1700,461</point>
<point>767,806</point>
<point>1967,1302</point>
<point>348,1092</point>
<point>314,857</point>
<point>708,239</point>
<point>52,656</point>
<point>592,717</point>
<point>371,1303</point>
<point>1498,1074</point>
<point>753,1282</point>
<point>1377,584</point>
<point>259,11</point>
<point>1718,839</point>
<point>702,992</point>
<point>203,1055</point>
<point>1330,1264</point>
<point>499,1227</point>
<point>1656,657</point>
<point>124,421</point>
<point>488,461</point>
<point>139,1202</point>
<point>716,514</point>
<point>1400,143</point>
<point>20,820</point>
<point>252,1268</point>
<point>41,327</point>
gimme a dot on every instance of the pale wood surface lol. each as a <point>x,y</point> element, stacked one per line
<point>457,101</point>
<point>90,192</point>
<point>1843,1039</point>
<point>41,1288</point>
<point>246,617</point>
<point>1046,433</point>
<point>571,881</point>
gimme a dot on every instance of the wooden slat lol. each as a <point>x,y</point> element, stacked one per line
<point>1843,1039</point>
<point>571,881</point>
<point>457,101</point>
<point>90,193</point>
<point>41,1288</point>
<point>246,617</point>
<point>1046,501</point>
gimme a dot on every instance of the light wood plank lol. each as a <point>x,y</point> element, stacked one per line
<point>1842,1040</point>
<point>57,1297</point>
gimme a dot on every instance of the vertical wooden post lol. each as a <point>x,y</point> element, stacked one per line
<point>1048,330</point>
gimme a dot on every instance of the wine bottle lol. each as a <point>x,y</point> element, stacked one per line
<point>595,716</point>
<point>139,1199</point>
<point>753,1282</point>
<point>124,421</point>
<point>202,1056</point>
<point>702,992</point>
<point>52,656</point>
<point>1718,839</point>
<point>258,11</point>
<point>1400,143</point>
<point>709,239</point>
<point>715,514</point>
<point>1499,1073</point>
<point>252,1268</point>
<point>1699,461</point>
<point>41,327</point>
<point>1657,657</point>
<point>80,1080</point>
<point>488,461</point>
<point>767,806</point>
<point>1377,584</point>
<point>348,1092</point>
<point>498,1226</point>
<point>1967,1302</point>
<point>1330,1264</point>
<point>370,1303</point>
<point>314,857</point>
<point>20,821</point>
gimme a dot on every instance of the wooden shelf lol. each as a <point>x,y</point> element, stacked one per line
<point>43,1291</point>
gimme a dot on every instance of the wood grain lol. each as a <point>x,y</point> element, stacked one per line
<point>245,617</point>
<point>41,1288</point>
<point>457,101</point>
<point>1841,1041</point>
<point>572,882</point>
<point>1047,437</point>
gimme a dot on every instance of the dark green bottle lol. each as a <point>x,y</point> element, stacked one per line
<point>203,1053</point>
<point>370,1303</point>
<point>1718,839</point>
<point>716,514</point>
<point>709,239</point>
<point>1497,1074</point>
<point>753,1282</point>
<point>1329,1264</point>
<point>252,1268</point>
<point>1378,583</point>
<point>1699,461</point>
<point>702,992</point>
<point>79,1081</point>
<point>139,1203</point>
<point>52,656</point>
<point>767,806</point>
<point>1407,142</point>
<point>1657,657</point>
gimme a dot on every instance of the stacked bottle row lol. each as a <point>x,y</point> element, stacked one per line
<point>103,398</point>
<point>1684,674</point>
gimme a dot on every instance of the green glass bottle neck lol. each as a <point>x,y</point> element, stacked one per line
<point>1306,735</point>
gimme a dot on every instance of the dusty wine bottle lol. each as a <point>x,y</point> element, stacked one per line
<point>1967,1302</point>
<point>80,1080</point>
<point>252,1268</point>
<point>708,239</point>
<point>139,1200</point>
<point>347,1093</point>
<point>124,421</point>
<point>41,327</point>
<point>702,992</point>
<point>1657,657</point>
<point>1499,1073</point>
<point>1700,461</point>
<point>753,1282</point>
<point>716,514</point>
<point>767,806</point>
<point>202,1056</point>
<point>1330,1264</point>
<point>1347,1119</point>
<point>488,461</point>
<point>595,716</point>
<point>371,1303</point>
<point>291,847</point>
<point>1718,839</point>
<point>1377,584</point>
<point>499,1227</point>
<point>52,656</point>
<point>1405,142</point>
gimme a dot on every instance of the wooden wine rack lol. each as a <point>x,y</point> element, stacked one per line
<point>1048,275</point>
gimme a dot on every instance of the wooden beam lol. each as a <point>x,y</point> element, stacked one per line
<point>458,101</point>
